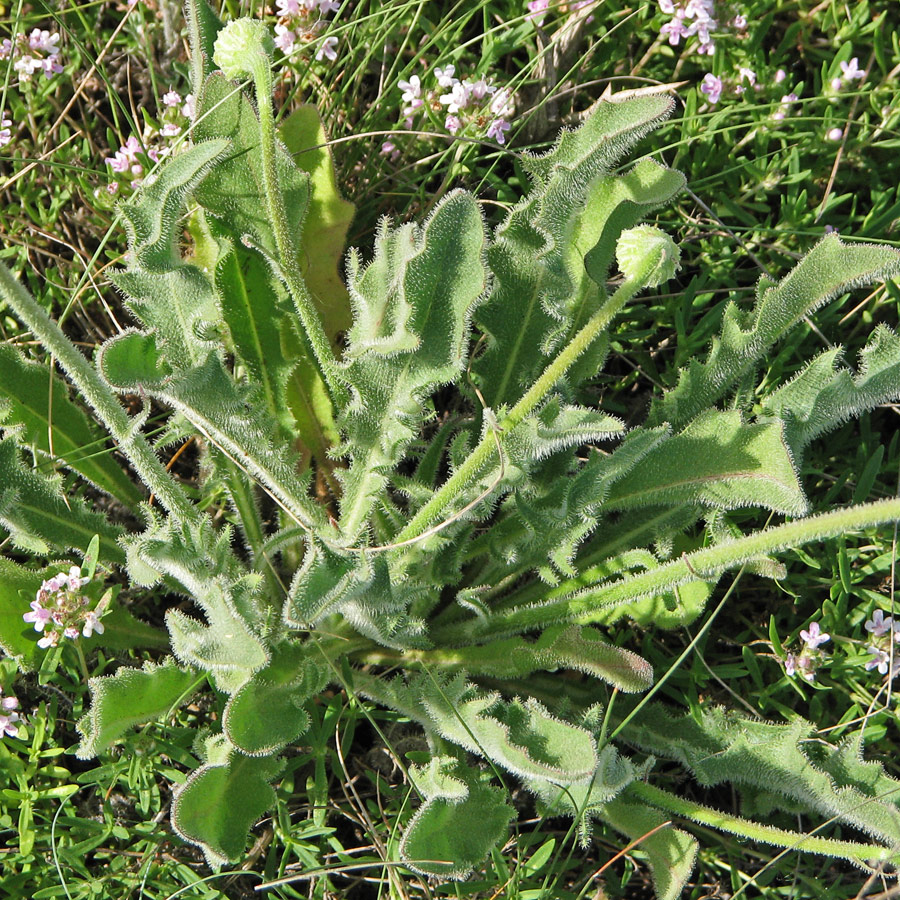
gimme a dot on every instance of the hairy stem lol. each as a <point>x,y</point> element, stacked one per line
<point>287,250</point>
<point>706,564</point>
<point>462,478</point>
<point>100,397</point>
<point>765,834</point>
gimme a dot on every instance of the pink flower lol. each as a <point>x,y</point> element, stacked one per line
<point>852,71</point>
<point>501,103</point>
<point>835,134</point>
<point>790,664</point>
<point>880,660</point>
<point>8,725</point>
<point>814,636</point>
<point>172,98</point>
<point>328,6</point>
<point>39,616</point>
<point>452,123</point>
<point>779,76</point>
<point>412,89</point>
<point>288,7</point>
<point>536,10</point>
<point>74,580</point>
<point>5,130</point>
<point>457,99</point>
<point>712,87</point>
<point>481,89</point>
<point>445,77</point>
<point>44,42</point>
<point>170,129</point>
<point>284,39</point>
<point>496,130</point>
<point>328,49</point>
<point>188,109</point>
<point>91,624</point>
<point>878,624</point>
<point>675,30</point>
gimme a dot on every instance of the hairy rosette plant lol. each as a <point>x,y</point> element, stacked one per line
<point>465,543</point>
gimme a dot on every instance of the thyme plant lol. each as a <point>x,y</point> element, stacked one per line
<point>422,516</point>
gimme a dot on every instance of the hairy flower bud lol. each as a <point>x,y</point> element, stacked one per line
<point>238,44</point>
<point>648,254</point>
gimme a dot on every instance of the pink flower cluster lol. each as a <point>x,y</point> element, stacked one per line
<point>130,159</point>
<point>8,715</point>
<point>468,105</point>
<point>61,609</point>
<point>5,130</point>
<point>714,87</point>
<point>301,22</point>
<point>35,52</point>
<point>695,18</point>
<point>884,634</point>
<point>810,657</point>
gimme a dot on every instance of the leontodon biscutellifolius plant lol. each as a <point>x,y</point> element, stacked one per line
<point>410,489</point>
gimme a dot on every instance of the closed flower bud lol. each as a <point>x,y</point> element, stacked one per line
<point>238,44</point>
<point>647,254</point>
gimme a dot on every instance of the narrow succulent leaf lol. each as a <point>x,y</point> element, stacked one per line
<point>220,801</point>
<point>823,395</point>
<point>267,712</point>
<point>560,647</point>
<point>670,851</point>
<point>53,423</point>
<point>723,746</point>
<point>718,461</point>
<point>830,269</point>
<point>328,218</point>
<point>460,821</point>
<point>540,288</point>
<point>412,307</point>
<point>128,698</point>
<point>41,519</point>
